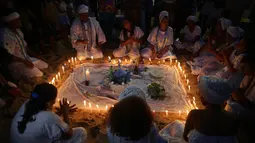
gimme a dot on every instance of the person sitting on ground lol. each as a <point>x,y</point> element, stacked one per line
<point>35,121</point>
<point>130,40</point>
<point>190,36</point>
<point>131,120</point>
<point>160,40</point>
<point>12,39</point>
<point>86,35</point>
<point>212,124</point>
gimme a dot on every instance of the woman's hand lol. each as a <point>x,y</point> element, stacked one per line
<point>28,64</point>
<point>66,108</point>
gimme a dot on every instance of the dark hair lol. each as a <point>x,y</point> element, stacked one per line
<point>125,31</point>
<point>42,94</point>
<point>131,117</point>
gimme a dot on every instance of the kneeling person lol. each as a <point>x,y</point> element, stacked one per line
<point>87,35</point>
<point>160,39</point>
<point>13,41</point>
<point>131,38</point>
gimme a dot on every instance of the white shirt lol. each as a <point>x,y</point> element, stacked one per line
<point>47,128</point>
<point>190,37</point>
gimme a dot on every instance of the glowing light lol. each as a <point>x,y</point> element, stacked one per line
<point>187,81</point>
<point>106,107</point>
<point>63,69</point>
<point>189,87</point>
<point>84,103</point>
<point>89,105</point>
<point>187,112</point>
<point>97,106</point>
<point>180,112</point>
<point>166,112</point>
<point>92,58</point>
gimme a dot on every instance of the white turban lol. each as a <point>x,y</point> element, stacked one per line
<point>162,15</point>
<point>83,9</point>
<point>11,17</point>
<point>192,18</point>
<point>132,91</point>
<point>225,23</point>
<point>214,90</point>
<point>235,32</point>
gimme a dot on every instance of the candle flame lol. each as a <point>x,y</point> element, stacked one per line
<point>126,60</point>
<point>154,111</point>
<point>89,105</point>
<point>180,112</point>
<point>150,59</point>
<point>194,98</point>
<point>58,99</point>
<point>84,102</point>
<point>187,112</point>
<point>187,81</point>
<point>106,107</point>
<point>112,106</point>
<point>97,106</point>
<point>68,102</point>
<point>92,57</point>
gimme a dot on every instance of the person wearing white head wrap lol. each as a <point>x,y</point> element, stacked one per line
<point>12,40</point>
<point>235,32</point>
<point>211,124</point>
<point>132,91</point>
<point>190,36</point>
<point>161,40</point>
<point>87,35</point>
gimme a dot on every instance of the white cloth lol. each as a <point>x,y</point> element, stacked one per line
<point>173,132</point>
<point>235,32</point>
<point>131,50</point>
<point>16,46</point>
<point>192,18</point>
<point>90,31</point>
<point>214,90</point>
<point>11,16</point>
<point>197,137</point>
<point>225,23</point>
<point>162,15</point>
<point>132,91</point>
<point>47,128</point>
<point>194,48</point>
<point>83,9</point>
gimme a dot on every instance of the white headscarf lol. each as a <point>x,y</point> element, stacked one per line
<point>235,32</point>
<point>214,90</point>
<point>132,91</point>
<point>162,15</point>
<point>192,18</point>
<point>225,23</point>
<point>11,16</point>
<point>83,9</point>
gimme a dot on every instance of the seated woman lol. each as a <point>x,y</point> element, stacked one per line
<point>35,121</point>
<point>130,40</point>
<point>131,120</point>
<point>212,124</point>
<point>160,40</point>
<point>190,36</point>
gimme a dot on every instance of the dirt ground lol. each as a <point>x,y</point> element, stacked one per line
<point>94,122</point>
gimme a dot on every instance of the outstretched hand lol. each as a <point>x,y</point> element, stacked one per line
<point>66,108</point>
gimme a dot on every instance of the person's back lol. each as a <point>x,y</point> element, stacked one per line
<point>42,130</point>
<point>215,122</point>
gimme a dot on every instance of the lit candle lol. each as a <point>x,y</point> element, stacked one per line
<point>114,62</point>
<point>63,69</point>
<point>106,107</point>
<point>87,75</point>
<point>56,76</point>
<point>69,61</point>
<point>196,108</point>
<point>126,61</point>
<point>179,112</point>
<point>75,60</point>
<point>119,61</point>
<point>194,98</point>
<point>187,81</point>
<point>58,99</point>
<point>53,81</point>
<point>50,83</point>
<point>72,60</point>
<point>112,106</point>
<point>189,87</point>
<point>92,58</point>
<point>187,112</point>
<point>59,75</point>
<point>109,59</point>
<point>164,61</point>
<point>89,105</point>
<point>171,61</point>
<point>131,61</point>
<point>97,106</point>
<point>166,112</point>
<point>185,76</point>
<point>194,102</point>
<point>150,59</point>
<point>176,61</point>
<point>154,111</point>
<point>68,102</point>
<point>84,103</point>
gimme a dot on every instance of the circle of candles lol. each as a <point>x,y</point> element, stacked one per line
<point>63,69</point>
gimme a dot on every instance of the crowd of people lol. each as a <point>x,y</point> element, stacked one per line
<point>212,38</point>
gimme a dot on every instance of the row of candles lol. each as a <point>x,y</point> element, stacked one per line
<point>75,61</point>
